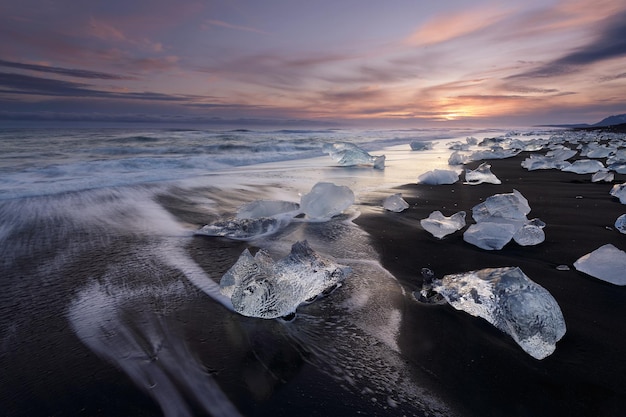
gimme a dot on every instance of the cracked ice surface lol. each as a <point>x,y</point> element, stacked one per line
<point>480,175</point>
<point>348,154</point>
<point>510,301</point>
<point>260,287</point>
<point>440,226</point>
<point>326,200</point>
<point>395,203</point>
<point>438,176</point>
<point>606,263</point>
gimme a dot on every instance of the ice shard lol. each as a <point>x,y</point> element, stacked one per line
<point>349,154</point>
<point>395,203</point>
<point>480,175</point>
<point>607,263</point>
<point>326,200</point>
<point>619,191</point>
<point>441,226</point>
<point>584,166</point>
<point>438,176</point>
<point>620,223</point>
<point>260,287</point>
<point>510,301</point>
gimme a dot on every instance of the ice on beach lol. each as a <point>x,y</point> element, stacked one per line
<point>607,263</point>
<point>266,208</point>
<point>480,175</point>
<point>417,145</point>
<point>395,203</point>
<point>530,234</point>
<point>619,191</point>
<point>244,229</point>
<point>507,206</point>
<point>260,287</point>
<point>495,152</point>
<point>489,236</point>
<point>512,302</point>
<point>561,153</point>
<point>438,176</point>
<point>326,200</point>
<point>440,226</point>
<point>603,175</point>
<point>536,162</point>
<point>620,223</point>
<point>584,166</point>
<point>458,158</point>
<point>348,154</point>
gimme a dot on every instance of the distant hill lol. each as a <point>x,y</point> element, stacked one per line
<point>618,121</point>
<point>612,121</point>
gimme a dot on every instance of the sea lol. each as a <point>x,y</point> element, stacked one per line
<point>110,303</point>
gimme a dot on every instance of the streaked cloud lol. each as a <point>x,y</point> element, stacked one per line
<point>70,72</point>
<point>219,23</point>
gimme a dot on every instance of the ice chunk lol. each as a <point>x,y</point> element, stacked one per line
<point>417,145</point>
<point>260,287</point>
<point>481,174</point>
<point>489,236</point>
<point>495,152</point>
<point>620,223</point>
<point>530,233</point>
<point>561,153</point>
<point>619,191</point>
<point>326,200</point>
<point>510,301</point>
<point>607,263</point>
<point>606,176</point>
<point>266,208</point>
<point>348,154</point>
<point>458,158</point>
<point>471,140</point>
<point>535,162</point>
<point>584,166</point>
<point>440,226</point>
<point>244,229</point>
<point>438,176</point>
<point>395,203</point>
<point>512,206</point>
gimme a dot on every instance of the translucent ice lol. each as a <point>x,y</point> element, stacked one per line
<point>326,200</point>
<point>584,166</point>
<point>489,236</point>
<point>266,208</point>
<point>395,203</point>
<point>607,263</point>
<point>244,229</point>
<point>438,176</point>
<point>619,191</point>
<point>440,226</point>
<point>509,206</point>
<point>510,301</point>
<point>620,223</point>
<point>531,233</point>
<point>458,158</point>
<point>348,154</point>
<point>606,176</point>
<point>260,287</point>
<point>417,145</point>
<point>481,174</point>
<point>535,162</point>
<point>495,152</point>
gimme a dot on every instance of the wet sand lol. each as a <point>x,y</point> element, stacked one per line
<point>478,367</point>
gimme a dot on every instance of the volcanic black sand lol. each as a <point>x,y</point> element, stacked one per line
<point>480,368</point>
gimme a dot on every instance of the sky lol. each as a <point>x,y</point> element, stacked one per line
<point>396,63</point>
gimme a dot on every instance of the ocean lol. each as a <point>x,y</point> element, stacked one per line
<point>109,301</point>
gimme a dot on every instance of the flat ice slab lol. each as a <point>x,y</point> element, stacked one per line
<point>607,263</point>
<point>510,301</point>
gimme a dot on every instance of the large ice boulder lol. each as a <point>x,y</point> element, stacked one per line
<point>438,176</point>
<point>349,154</point>
<point>260,287</point>
<point>326,200</point>
<point>480,175</point>
<point>395,203</point>
<point>441,226</point>
<point>510,301</point>
<point>607,263</point>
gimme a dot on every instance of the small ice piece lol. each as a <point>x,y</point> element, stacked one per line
<point>584,166</point>
<point>348,154</point>
<point>561,153</point>
<point>266,208</point>
<point>480,175</point>
<point>606,176</point>
<point>511,206</point>
<point>326,200</point>
<point>620,223</point>
<point>418,145</point>
<point>530,233</point>
<point>489,236</point>
<point>471,140</point>
<point>440,226</point>
<point>438,176</point>
<point>458,158</point>
<point>395,203</point>
<point>510,301</point>
<point>260,287</point>
<point>606,263</point>
<point>562,268</point>
<point>619,191</point>
<point>244,229</point>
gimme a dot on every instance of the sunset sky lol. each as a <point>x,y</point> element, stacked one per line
<point>405,63</point>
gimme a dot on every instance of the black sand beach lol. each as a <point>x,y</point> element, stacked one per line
<point>482,369</point>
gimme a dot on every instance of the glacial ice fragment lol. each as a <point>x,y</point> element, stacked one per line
<point>348,154</point>
<point>584,166</point>
<point>619,191</point>
<point>418,145</point>
<point>603,175</point>
<point>620,223</point>
<point>440,226</point>
<point>535,162</point>
<point>607,263</point>
<point>512,206</point>
<point>438,176</point>
<point>530,234</point>
<point>489,236</point>
<point>260,287</point>
<point>480,175</point>
<point>496,152</point>
<point>510,301</point>
<point>243,229</point>
<point>395,203</point>
<point>266,208</point>
<point>458,158</point>
<point>326,200</point>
